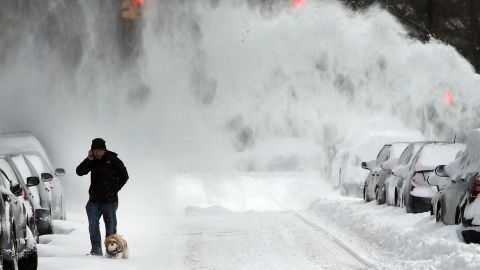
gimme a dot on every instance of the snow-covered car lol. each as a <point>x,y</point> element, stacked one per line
<point>17,242</point>
<point>380,169</point>
<point>28,146</point>
<point>40,198</point>
<point>346,171</point>
<point>471,214</point>
<point>455,182</point>
<point>460,201</point>
<point>22,191</point>
<point>394,183</point>
<point>416,192</point>
<point>349,171</point>
<point>449,203</point>
<point>51,194</point>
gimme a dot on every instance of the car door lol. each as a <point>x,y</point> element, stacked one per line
<point>23,171</point>
<point>37,166</point>
<point>383,156</point>
<point>14,207</point>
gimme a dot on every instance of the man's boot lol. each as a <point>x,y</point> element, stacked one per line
<point>96,252</point>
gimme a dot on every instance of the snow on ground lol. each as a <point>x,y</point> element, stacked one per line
<point>389,238</point>
<point>300,223</point>
<point>212,238</point>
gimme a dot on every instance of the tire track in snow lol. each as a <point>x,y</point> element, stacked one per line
<point>335,240</point>
<point>194,259</point>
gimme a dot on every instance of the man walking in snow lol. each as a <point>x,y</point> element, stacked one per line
<point>108,176</point>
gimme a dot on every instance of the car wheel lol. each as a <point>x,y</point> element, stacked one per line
<point>377,196</point>
<point>365,195</point>
<point>64,210</point>
<point>396,198</point>
<point>12,262</point>
<point>35,233</point>
<point>29,261</point>
<point>49,230</point>
<point>380,196</point>
<point>458,216</point>
<point>438,216</point>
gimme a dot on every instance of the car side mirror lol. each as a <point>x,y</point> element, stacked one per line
<point>59,172</point>
<point>440,171</point>
<point>46,177</point>
<point>32,181</point>
<point>365,166</point>
<point>368,165</point>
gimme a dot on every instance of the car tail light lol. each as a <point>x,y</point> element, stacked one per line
<point>475,188</point>
<point>139,2</point>
<point>419,179</point>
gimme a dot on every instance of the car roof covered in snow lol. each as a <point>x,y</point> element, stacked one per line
<point>434,154</point>
<point>368,144</point>
<point>21,142</point>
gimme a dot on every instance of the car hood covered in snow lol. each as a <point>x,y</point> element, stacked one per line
<point>436,154</point>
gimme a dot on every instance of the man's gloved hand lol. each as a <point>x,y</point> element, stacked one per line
<point>90,155</point>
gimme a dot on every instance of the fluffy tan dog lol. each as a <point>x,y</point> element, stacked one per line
<point>116,247</point>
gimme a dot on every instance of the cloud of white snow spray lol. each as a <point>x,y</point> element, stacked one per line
<point>219,86</point>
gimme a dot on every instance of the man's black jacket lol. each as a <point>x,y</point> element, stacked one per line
<point>108,176</point>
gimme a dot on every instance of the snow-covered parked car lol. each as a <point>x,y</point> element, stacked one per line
<point>38,195</point>
<point>416,192</point>
<point>380,169</point>
<point>459,199</point>
<point>449,202</point>
<point>393,183</point>
<point>21,190</point>
<point>29,148</point>
<point>347,172</point>
<point>471,215</point>
<point>17,242</point>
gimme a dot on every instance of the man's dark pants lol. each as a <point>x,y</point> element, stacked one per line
<point>109,212</point>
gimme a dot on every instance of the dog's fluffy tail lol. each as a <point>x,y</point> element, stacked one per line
<point>125,254</point>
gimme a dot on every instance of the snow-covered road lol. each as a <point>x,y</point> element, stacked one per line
<point>259,221</point>
<point>211,238</point>
<point>247,221</point>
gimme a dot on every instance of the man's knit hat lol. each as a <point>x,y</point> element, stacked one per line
<point>98,143</point>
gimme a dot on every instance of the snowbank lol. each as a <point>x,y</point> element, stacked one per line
<point>391,239</point>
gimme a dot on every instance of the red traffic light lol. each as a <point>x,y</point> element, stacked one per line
<point>448,97</point>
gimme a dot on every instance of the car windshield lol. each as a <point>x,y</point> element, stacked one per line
<point>384,154</point>
<point>433,155</point>
<point>37,163</point>
<point>397,149</point>
<point>22,167</point>
<point>9,173</point>
<point>406,155</point>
